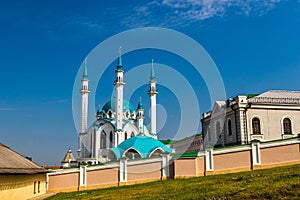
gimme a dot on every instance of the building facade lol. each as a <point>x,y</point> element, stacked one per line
<point>189,144</point>
<point>20,178</point>
<point>269,116</point>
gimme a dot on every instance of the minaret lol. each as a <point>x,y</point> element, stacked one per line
<point>152,94</point>
<point>119,85</point>
<point>84,102</point>
<point>140,117</point>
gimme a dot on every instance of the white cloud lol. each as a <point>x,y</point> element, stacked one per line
<point>188,11</point>
<point>7,108</point>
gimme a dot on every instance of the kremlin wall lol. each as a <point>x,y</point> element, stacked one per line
<point>257,155</point>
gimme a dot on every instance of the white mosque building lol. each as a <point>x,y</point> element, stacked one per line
<point>119,128</point>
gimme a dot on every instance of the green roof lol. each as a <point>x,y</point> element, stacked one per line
<point>144,145</point>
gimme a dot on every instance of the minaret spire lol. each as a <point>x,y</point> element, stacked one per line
<point>85,73</point>
<point>152,92</point>
<point>120,65</point>
<point>152,75</point>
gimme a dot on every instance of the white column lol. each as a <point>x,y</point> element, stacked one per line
<point>165,165</point>
<point>123,170</point>
<point>82,175</point>
<point>153,113</point>
<point>255,153</point>
<point>209,160</point>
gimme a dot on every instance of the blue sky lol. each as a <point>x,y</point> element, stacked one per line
<point>255,45</point>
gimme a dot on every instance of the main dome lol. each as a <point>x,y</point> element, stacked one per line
<point>111,105</point>
<point>144,145</point>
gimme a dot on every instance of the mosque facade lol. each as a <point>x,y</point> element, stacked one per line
<point>119,129</point>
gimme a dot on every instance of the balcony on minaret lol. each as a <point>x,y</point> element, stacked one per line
<point>152,90</point>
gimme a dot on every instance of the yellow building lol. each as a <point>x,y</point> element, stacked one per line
<point>20,178</point>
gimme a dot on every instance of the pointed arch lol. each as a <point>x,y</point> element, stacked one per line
<point>132,153</point>
<point>156,152</point>
<point>103,140</point>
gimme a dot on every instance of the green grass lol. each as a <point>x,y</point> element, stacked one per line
<point>275,183</point>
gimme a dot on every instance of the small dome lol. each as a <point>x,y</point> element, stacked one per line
<point>112,104</point>
<point>144,145</point>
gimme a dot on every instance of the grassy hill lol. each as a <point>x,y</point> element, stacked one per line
<point>275,183</point>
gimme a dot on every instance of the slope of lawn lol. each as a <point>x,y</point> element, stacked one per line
<point>275,183</point>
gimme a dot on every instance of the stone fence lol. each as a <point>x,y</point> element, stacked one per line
<point>257,155</point>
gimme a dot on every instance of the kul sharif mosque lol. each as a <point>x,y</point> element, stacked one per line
<point>119,130</point>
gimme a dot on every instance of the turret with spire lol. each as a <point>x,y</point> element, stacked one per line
<point>152,92</point>
<point>84,92</point>
<point>119,85</point>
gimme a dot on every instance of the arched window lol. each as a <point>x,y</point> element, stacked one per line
<point>132,134</point>
<point>256,126</point>
<point>287,126</point>
<point>111,139</point>
<point>103,140</point>
<point>229,127</point>
<point>125,136</point>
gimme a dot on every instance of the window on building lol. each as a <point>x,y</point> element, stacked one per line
<point>39,185</point>
<point>132,134</point>
<point>229,126</point>
<point>34,187</point>
<point>103,140</point>
<point>287,126</point>
<point>111,139</point>
<point>256,126</point>
<point>125,136</point>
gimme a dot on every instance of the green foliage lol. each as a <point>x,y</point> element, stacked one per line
<point>275,183</point>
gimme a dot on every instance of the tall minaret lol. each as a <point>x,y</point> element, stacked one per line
<point>140,117</point>
<point>84,105</point>
<point>152,94</point>
<point>84,99</point>
<point>119,85</point>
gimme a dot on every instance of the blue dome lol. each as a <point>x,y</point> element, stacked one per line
<point>144,145</point>
<point>112,104</point>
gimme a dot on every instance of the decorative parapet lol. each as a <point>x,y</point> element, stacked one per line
<point>271,100</point>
